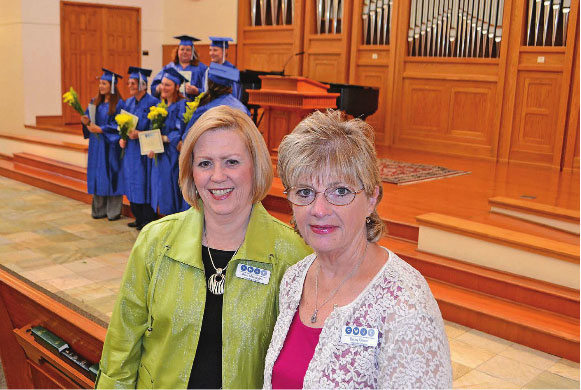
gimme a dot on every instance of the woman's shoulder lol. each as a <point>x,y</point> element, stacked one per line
<point>407,283</point>
<point>173,223</point>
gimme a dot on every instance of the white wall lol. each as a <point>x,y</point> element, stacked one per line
<point>12,100</point>
<point>200,18</point>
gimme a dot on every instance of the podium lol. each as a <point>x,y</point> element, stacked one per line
<point>286,100</point>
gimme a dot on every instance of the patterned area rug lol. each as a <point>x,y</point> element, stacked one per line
<point>400,172</point>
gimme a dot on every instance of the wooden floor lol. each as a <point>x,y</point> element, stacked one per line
<point>467,196</point>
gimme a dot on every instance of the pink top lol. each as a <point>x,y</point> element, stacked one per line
<point>299,347</point>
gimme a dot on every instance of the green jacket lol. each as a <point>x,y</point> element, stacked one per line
<point>154,331</point>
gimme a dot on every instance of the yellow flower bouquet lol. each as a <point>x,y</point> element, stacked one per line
<point>72,99</point>
<point>157,115</point>
<point>126,123</point>
<point>191,107</point>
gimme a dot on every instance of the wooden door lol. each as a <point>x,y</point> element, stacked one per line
<point>93,37</point>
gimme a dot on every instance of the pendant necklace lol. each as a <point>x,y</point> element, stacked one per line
<point>332,294</point>
<point>216,281</point>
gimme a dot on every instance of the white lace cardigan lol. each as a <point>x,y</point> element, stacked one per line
<point>412,351</point>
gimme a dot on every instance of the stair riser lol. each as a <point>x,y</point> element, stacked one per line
<point>45,184</point>
<point>519,333</point>
<point>61,170</point>
<point>495,287</point>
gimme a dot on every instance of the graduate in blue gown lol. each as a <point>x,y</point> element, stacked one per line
<point>218,54</point>
<point>220,81</point>
<point>104,180</point>
<point>186,59</point>
<point>166,196</point>
<point>137,168</point>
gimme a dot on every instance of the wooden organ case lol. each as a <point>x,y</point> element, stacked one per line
<point>492,79</point>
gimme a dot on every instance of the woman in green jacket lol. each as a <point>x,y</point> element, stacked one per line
<point>198,301</point>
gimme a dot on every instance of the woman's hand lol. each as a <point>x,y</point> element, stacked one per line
<point>85,120</point>
<point>122,143</point>
<point>133,134</point>
<point>151,154</point>
<point>93,128</point>
<point>165,139</point>
<point>192,89</point>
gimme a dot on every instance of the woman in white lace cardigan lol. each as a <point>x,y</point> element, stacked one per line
<point>352,314</point>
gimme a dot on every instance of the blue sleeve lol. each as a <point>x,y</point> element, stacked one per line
<point>110,131</point>
<point>175,133</point>
<point>86,132</point>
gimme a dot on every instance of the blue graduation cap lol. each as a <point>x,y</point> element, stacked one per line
<point>111,77</point>
<point>186,40</point>
<point>223,75</point>
<point>175,76</point>
<point>139,74</point>
<point>220,42</point>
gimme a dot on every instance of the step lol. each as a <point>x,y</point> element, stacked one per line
<point>53,182</point>
<point>50,165</point>
<point>518,289</point>
<point>45,142</point>
<point>535,328</point>
<point>542,214</point>
<point>501,249</point>
<point>68,129</point>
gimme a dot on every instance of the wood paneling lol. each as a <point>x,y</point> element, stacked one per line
<point>446,115</point>
<point>22,305</point>
<point>94,37</point>
<point>536,113</point>
<point>327,55</point>
<point>269,47</point>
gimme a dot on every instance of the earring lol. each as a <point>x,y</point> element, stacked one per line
<point>367,220</point>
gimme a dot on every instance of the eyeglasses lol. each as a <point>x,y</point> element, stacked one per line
<point>336,195</point>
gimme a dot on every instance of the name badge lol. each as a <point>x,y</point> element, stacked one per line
<point>252,273</point>
<point>358,335</point>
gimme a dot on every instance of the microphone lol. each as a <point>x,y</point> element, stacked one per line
<point>300,53</point>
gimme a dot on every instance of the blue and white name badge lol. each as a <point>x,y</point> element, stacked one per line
<point>359,335</point>
<point>252,273</point>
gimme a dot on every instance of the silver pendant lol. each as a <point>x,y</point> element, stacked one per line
<point>314,316</point>
<point>216,282</point>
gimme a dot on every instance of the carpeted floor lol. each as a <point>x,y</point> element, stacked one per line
<point>401,172</point>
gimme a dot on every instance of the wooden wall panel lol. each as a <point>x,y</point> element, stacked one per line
<point>454,116</point>
<point>327,55</point>
<point>536,110</point>
<point>122,42</point>
<point>374,76</point>
<point>94,37</point>
<point>82,54</point>
<point>268,47</point>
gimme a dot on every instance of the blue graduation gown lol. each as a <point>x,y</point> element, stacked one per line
<point>137,168</point>
<point>236,88</point>
<point>104,158</point>
<point>224,100</point>
<point>165,190</point>
<point>197,76</point>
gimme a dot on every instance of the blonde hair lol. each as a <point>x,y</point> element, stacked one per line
<point>325,143</point>
<point>226,118</point>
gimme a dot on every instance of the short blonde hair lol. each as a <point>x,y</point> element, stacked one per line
<point>226,118</point>
<point>325,143</point>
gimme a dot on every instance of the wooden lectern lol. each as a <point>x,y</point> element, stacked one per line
<point>286,100</point>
